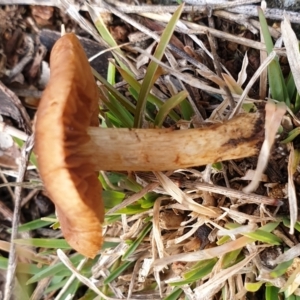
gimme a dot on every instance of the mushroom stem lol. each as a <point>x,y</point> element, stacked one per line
<point>165,149</point>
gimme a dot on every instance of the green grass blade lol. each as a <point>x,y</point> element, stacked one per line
<point>151,98</point>
<point>291,87</point>
<point>253,286</point>
<point>137,242</point>
<point>70,292</point>
<point>44,243</point>
<point>281,268</point>
<point>113,275</point>
<point>22,268</point>
<point>291,135</point>
<point>153,66</point>
<point>58,269</point>
<point>230,258</point>
<point>269,227</point>
<point>112,198</point>
<point>111,73</point>
<point>121,98</point>
<point>32,157</point>
<point>36,224</point>
<point>186,109</point>
<point>286,222</point>
<point>174,295</point>
<point>123,117</point>
<point>297,103</point>
<point>168,106</point>
<point>264,236</point>
<point>197,273</point>
<point>276,80</point>
<point>132,210</point>
<point>57,285</point>
<point>271,292</point>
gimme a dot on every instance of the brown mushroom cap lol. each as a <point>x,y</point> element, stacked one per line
<point>69,105</point>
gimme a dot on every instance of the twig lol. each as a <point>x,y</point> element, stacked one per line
<point>13,131</point>
<point>202,6</point>
<point>240,19</point>
<point>198,29</point>
<point>270,13</point>
<point>12,261</point>
<point>232,193</point>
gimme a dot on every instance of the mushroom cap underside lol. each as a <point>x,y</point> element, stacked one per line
<point>69,105</point>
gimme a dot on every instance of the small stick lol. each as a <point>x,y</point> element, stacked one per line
<point>232,193</point>
<point>13,259</point>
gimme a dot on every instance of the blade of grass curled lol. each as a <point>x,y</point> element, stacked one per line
<point>276,80</point>
<point>151,98</point>
<point>168,106</point>
<point>153,66</point>
<point>137,242</point>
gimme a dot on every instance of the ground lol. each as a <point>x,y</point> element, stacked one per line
<point>200,230</point>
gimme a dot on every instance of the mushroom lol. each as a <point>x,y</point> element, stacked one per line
<point>71,147</point>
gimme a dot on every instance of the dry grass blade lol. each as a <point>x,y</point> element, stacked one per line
<point>12,262</point>
<point>274,114</point>
<point>62,256</point>
<point>204,254</point>
<point>183,198</point>
<point>269,59</point>
<point>292,49</point>
<point>288,255</point>
<point>156,228</point>
<point>243,73</point>
<point>294,159</point>
<point>212,286</point>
